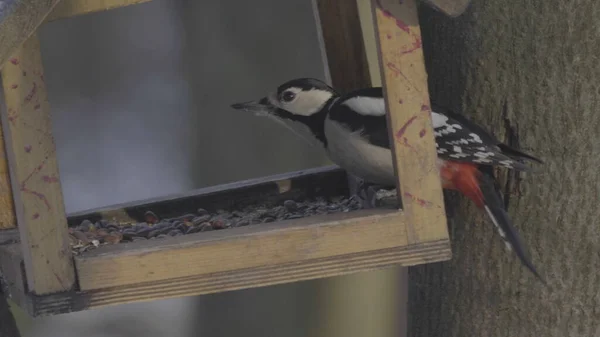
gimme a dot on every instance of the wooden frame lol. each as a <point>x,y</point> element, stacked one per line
<point>40,271</point>
<point>250,256</point>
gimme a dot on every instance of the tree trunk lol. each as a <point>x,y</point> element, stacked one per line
<point>8,325</point>
<point>541,58</point>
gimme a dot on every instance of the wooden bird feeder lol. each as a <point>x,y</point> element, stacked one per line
<point>42,275</point>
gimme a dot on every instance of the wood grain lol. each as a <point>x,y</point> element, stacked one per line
<point>409,116</point>
<point>21,21</point>
<point>34,172</point>
<point>8,218</point>
<point>343,44</point>
<point>291,241</point>
<point>452,8</point>
<point>207,282</point>
<point>70,8</point>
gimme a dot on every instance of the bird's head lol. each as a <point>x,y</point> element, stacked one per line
<point>294,99</point>
<point>300,105</point>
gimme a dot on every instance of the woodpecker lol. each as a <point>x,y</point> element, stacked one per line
<point>352,129</point>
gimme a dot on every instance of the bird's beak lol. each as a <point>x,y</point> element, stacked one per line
<point>261,107</point>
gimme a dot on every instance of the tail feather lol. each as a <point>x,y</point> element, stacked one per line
<point>480,188</point>
<point>518,154</point>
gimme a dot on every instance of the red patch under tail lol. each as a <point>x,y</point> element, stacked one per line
<point>463,177</point>
<point>477,186</point>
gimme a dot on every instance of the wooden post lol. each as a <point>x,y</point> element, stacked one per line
<point>409,112</point>
<point>343,44</point>
<point>7,209</point>
<point>343,299</point>
<point>34,173</point>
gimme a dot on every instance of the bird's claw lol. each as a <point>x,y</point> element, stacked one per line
<point>372,196</point>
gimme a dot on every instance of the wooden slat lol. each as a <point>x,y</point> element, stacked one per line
<point>206,283</point>
<point>293,241</point>
<point>70,8</point>
<point>220,261</point>
<point>34,172</point>
<point>451,8</point>
<point>18,21</point>
<point>7,209</point>
<point>343,44</point>
<point>238,258</point>
<point>409,118</point>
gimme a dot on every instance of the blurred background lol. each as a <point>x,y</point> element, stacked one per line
<point>140,100</point>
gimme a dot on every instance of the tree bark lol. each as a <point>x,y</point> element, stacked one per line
<point>541,58</point>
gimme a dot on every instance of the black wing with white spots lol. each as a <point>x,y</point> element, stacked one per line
<point>457,138</point>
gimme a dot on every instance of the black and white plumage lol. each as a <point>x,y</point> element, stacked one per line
<point>457,138</point>
<point>352,128</point>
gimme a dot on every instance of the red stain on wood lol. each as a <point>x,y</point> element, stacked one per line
<point>402,130</point>
<point>27,148</point>
<point>402,25</point>
<point>422,133</point>
<point>39,195</point>
<point>421,202</point>
<point>14,61</point>
<point>14,86</point>
<point>425,108</point>
<point>35,216</point>
<point>31,93</point>
<point>398,72</point>
<point>400,101</point>
<point>388,14</point>
<point>37,106</point>
<point>12,115</point>
<point>416,45</point>
<point>394,68</point>
<point>404,141</point>
<point>49,179</point>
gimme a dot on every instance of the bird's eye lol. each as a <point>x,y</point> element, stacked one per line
<point>288,96</point>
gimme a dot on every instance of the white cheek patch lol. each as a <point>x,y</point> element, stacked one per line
<point>367,106</point>
<point>307,102</point>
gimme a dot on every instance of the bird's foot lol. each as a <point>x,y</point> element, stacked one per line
<point>372,196</point>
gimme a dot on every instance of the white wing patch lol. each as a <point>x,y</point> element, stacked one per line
<point>475,138</point>
<point>438,120</point>
<point>366,106</point>
<point>441,125</point>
